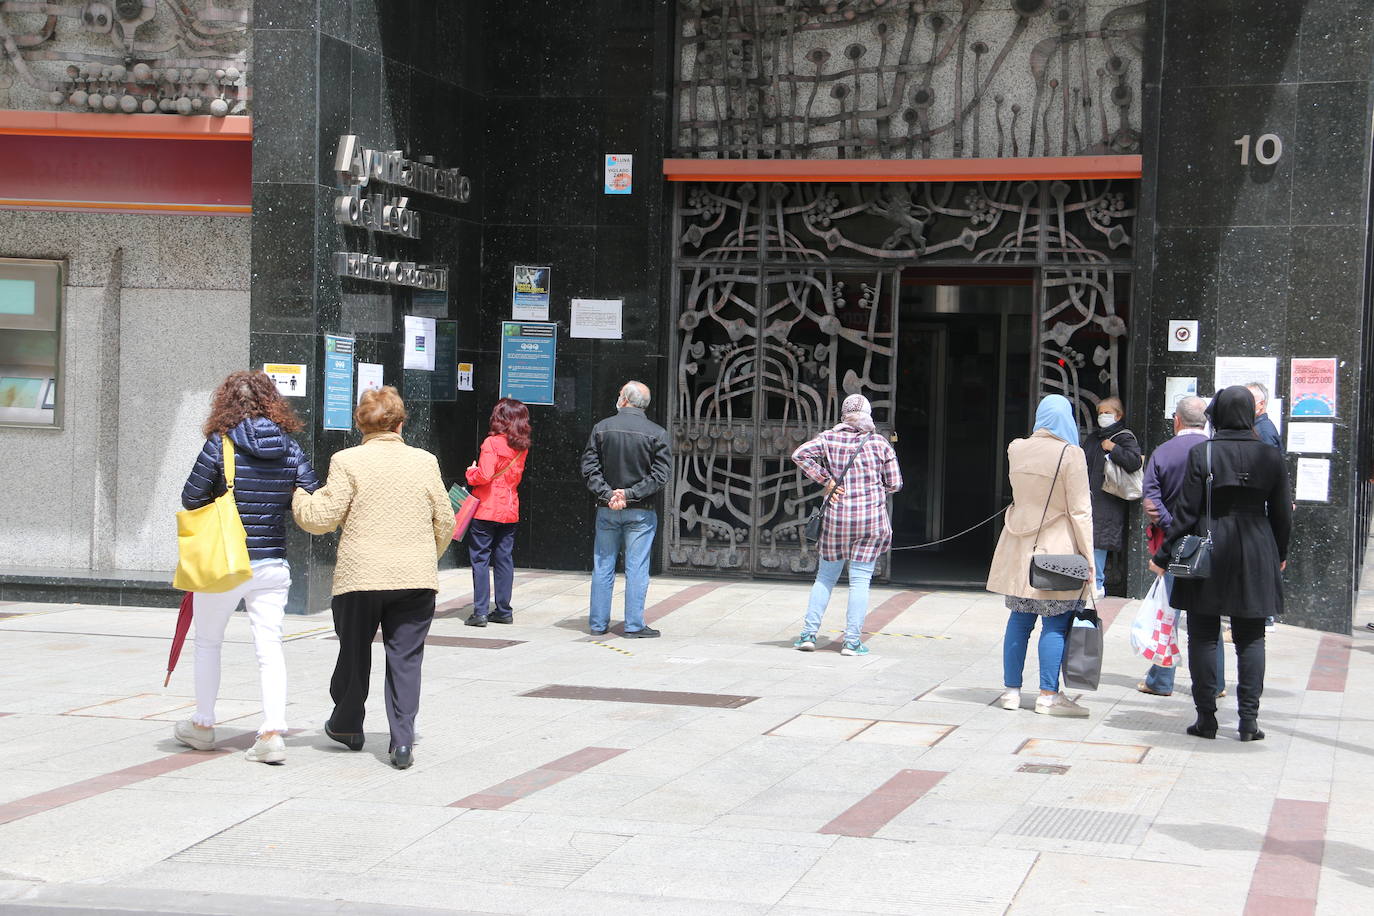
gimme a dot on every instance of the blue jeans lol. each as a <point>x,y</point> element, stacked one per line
<point>1050,649</point>
<point>1100,556</point>
<point>1161,680</point>
<point>490,549</point>
<point>827,574</point>
<point>630,530</point>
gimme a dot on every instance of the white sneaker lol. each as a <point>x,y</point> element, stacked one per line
<point>194,736</point>
<point>1059,705</point>
<point>1099,593</point>
<point>1011,699</point>
<point>271,749</point>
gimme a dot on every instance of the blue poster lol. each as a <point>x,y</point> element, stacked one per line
<point>338,382</point>
<point>528,354</point>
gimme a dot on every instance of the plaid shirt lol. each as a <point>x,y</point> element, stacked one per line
<point>856,524</point>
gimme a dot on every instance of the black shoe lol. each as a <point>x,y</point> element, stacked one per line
<point>401,757</point>
<point>351,740</point>
<point>476,620</point>
<point>1250,731</point>
<point>595,632</point>
<point>501,617</point>
<point>644,633</point>
<point>1201,729</point>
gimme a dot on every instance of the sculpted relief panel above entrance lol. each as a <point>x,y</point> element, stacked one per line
<point>914,79</point>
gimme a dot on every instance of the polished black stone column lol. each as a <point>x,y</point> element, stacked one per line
<point>1269,258</point>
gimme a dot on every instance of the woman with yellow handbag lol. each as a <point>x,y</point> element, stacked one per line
<point>245,474</point>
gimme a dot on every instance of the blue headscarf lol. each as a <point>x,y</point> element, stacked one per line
<point>1055,414</point>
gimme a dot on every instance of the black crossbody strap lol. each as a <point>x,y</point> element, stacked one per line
<point>1209,489</point>
<point>849,464</point>
<point>1057,465</point>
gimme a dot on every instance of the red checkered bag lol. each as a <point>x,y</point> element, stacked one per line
<point>1154,633</point>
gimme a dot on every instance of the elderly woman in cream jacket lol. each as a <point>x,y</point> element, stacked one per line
<point>1049,479</point>
<point>397,521</point>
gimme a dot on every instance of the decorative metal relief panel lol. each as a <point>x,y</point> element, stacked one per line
<point>908,78</point>
<point>786,302</point>
<point>126,56</point>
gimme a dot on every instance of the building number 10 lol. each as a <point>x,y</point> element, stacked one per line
<point>1268,149</point>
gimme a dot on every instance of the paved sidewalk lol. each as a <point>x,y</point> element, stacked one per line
<point>714,771</point>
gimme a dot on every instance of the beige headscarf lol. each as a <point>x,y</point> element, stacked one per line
<point>856,413</point>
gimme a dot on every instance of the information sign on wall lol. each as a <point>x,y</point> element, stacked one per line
<point>338,382</point>
<point>1312,387</point>
<point>289,378</point>
<point>530,293</point>
<point>528,357</point>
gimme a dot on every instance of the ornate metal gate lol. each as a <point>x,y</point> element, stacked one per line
<point>786,301</point>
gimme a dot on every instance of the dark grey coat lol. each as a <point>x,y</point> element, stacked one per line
<point>1109,512</point>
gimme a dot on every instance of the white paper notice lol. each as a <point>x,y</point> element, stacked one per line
<point>1242,370</point>
<point>369,376</point>
<point>1176,388</point>
<point>289,378</point>
<point>465,376</point>
<point>596,318</point>
<point>1183,336</point>
<point>418,343</point>
<point>1314,438</point>
<point>1313,477</point>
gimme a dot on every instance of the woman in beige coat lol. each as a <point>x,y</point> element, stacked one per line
<point>1049,478</point>
<point>397,522</point>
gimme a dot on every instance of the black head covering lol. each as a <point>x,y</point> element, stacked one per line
<point>1233,408</point>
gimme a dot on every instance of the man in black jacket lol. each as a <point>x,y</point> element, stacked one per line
<point>627,460</point>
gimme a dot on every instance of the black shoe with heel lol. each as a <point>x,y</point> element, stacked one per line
<point>1250,731</point>
<point>351,740</point>
<point>1204,727</point>
<point>402,757</point>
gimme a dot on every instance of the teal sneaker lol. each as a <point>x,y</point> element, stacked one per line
<point>805,642</point>
<point>854,648</point>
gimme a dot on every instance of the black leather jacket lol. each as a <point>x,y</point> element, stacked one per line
<point>268,466</point>
<point>627,452</point>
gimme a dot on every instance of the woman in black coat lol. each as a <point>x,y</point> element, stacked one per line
<point>1113,442</point>
<point>1250,520</point>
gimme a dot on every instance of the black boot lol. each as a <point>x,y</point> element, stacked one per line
<point>1205,726</point>
<point>1250,731</point>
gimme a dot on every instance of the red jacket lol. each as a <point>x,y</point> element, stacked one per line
<point>494,481</point>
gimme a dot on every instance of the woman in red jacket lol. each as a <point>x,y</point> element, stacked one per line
<point>494,478</point>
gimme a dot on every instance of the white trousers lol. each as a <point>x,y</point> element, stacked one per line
<point>264,597</point>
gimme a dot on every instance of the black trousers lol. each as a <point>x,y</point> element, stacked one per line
<point>404,616</point>
<point>1204,632</point>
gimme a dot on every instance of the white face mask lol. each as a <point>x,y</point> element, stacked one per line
<point>1106,419</point>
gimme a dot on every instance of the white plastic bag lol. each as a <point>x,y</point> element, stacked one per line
<point>1154,633</point>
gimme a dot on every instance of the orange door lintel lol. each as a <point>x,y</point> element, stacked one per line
<point>1004,169</point>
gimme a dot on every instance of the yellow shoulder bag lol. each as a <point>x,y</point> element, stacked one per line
<point>212,547</point>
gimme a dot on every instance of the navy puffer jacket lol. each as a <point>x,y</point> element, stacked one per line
<point>268,466</point>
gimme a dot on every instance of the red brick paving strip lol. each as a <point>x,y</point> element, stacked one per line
<point>633,695</point>
<point>1107,609</point>
<point>657,611</point>
<point>1290,862</point>
<point>98,785</point>
<point>1331,665</point>
<point>867,816</point>
<point>526,784</point>
<point>889,610</point>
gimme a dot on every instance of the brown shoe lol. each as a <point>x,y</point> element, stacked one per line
<point>1144,688</point>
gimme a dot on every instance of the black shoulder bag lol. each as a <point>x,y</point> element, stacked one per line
<point>1056,572</point>
<point>1192,557</point>
<point>817,519</point>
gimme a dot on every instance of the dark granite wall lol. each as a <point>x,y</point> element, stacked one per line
<point>1270,259</point>
<point>525,97</point>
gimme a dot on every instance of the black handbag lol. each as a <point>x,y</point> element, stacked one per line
<point>817,519</point>
<point>1192,557</point>
<point>1056,572</point>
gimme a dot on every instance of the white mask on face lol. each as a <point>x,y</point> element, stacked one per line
<point>1106,419</point>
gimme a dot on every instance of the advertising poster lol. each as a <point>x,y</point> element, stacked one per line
<point>596,318</point>
<point>418,343</point>
<point>1312,387</point>
<point>619,173</point>
<point>369,376</point>
<point>289,377</point>
<point>529,352</point>
<point>1176,388</point>
<point>530,293</point>
<point>338,382</point>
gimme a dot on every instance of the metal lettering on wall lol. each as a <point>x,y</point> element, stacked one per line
<point>361,266</point>
<point>125,56</point>
<point>785,302</point>
<point>908,78</point>
<point>355,166</point>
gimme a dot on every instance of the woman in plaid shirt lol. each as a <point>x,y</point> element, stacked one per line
<point>856,527</point>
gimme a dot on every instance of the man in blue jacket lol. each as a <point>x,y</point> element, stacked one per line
<point>1264,427</point>
<point>1162,484</point>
